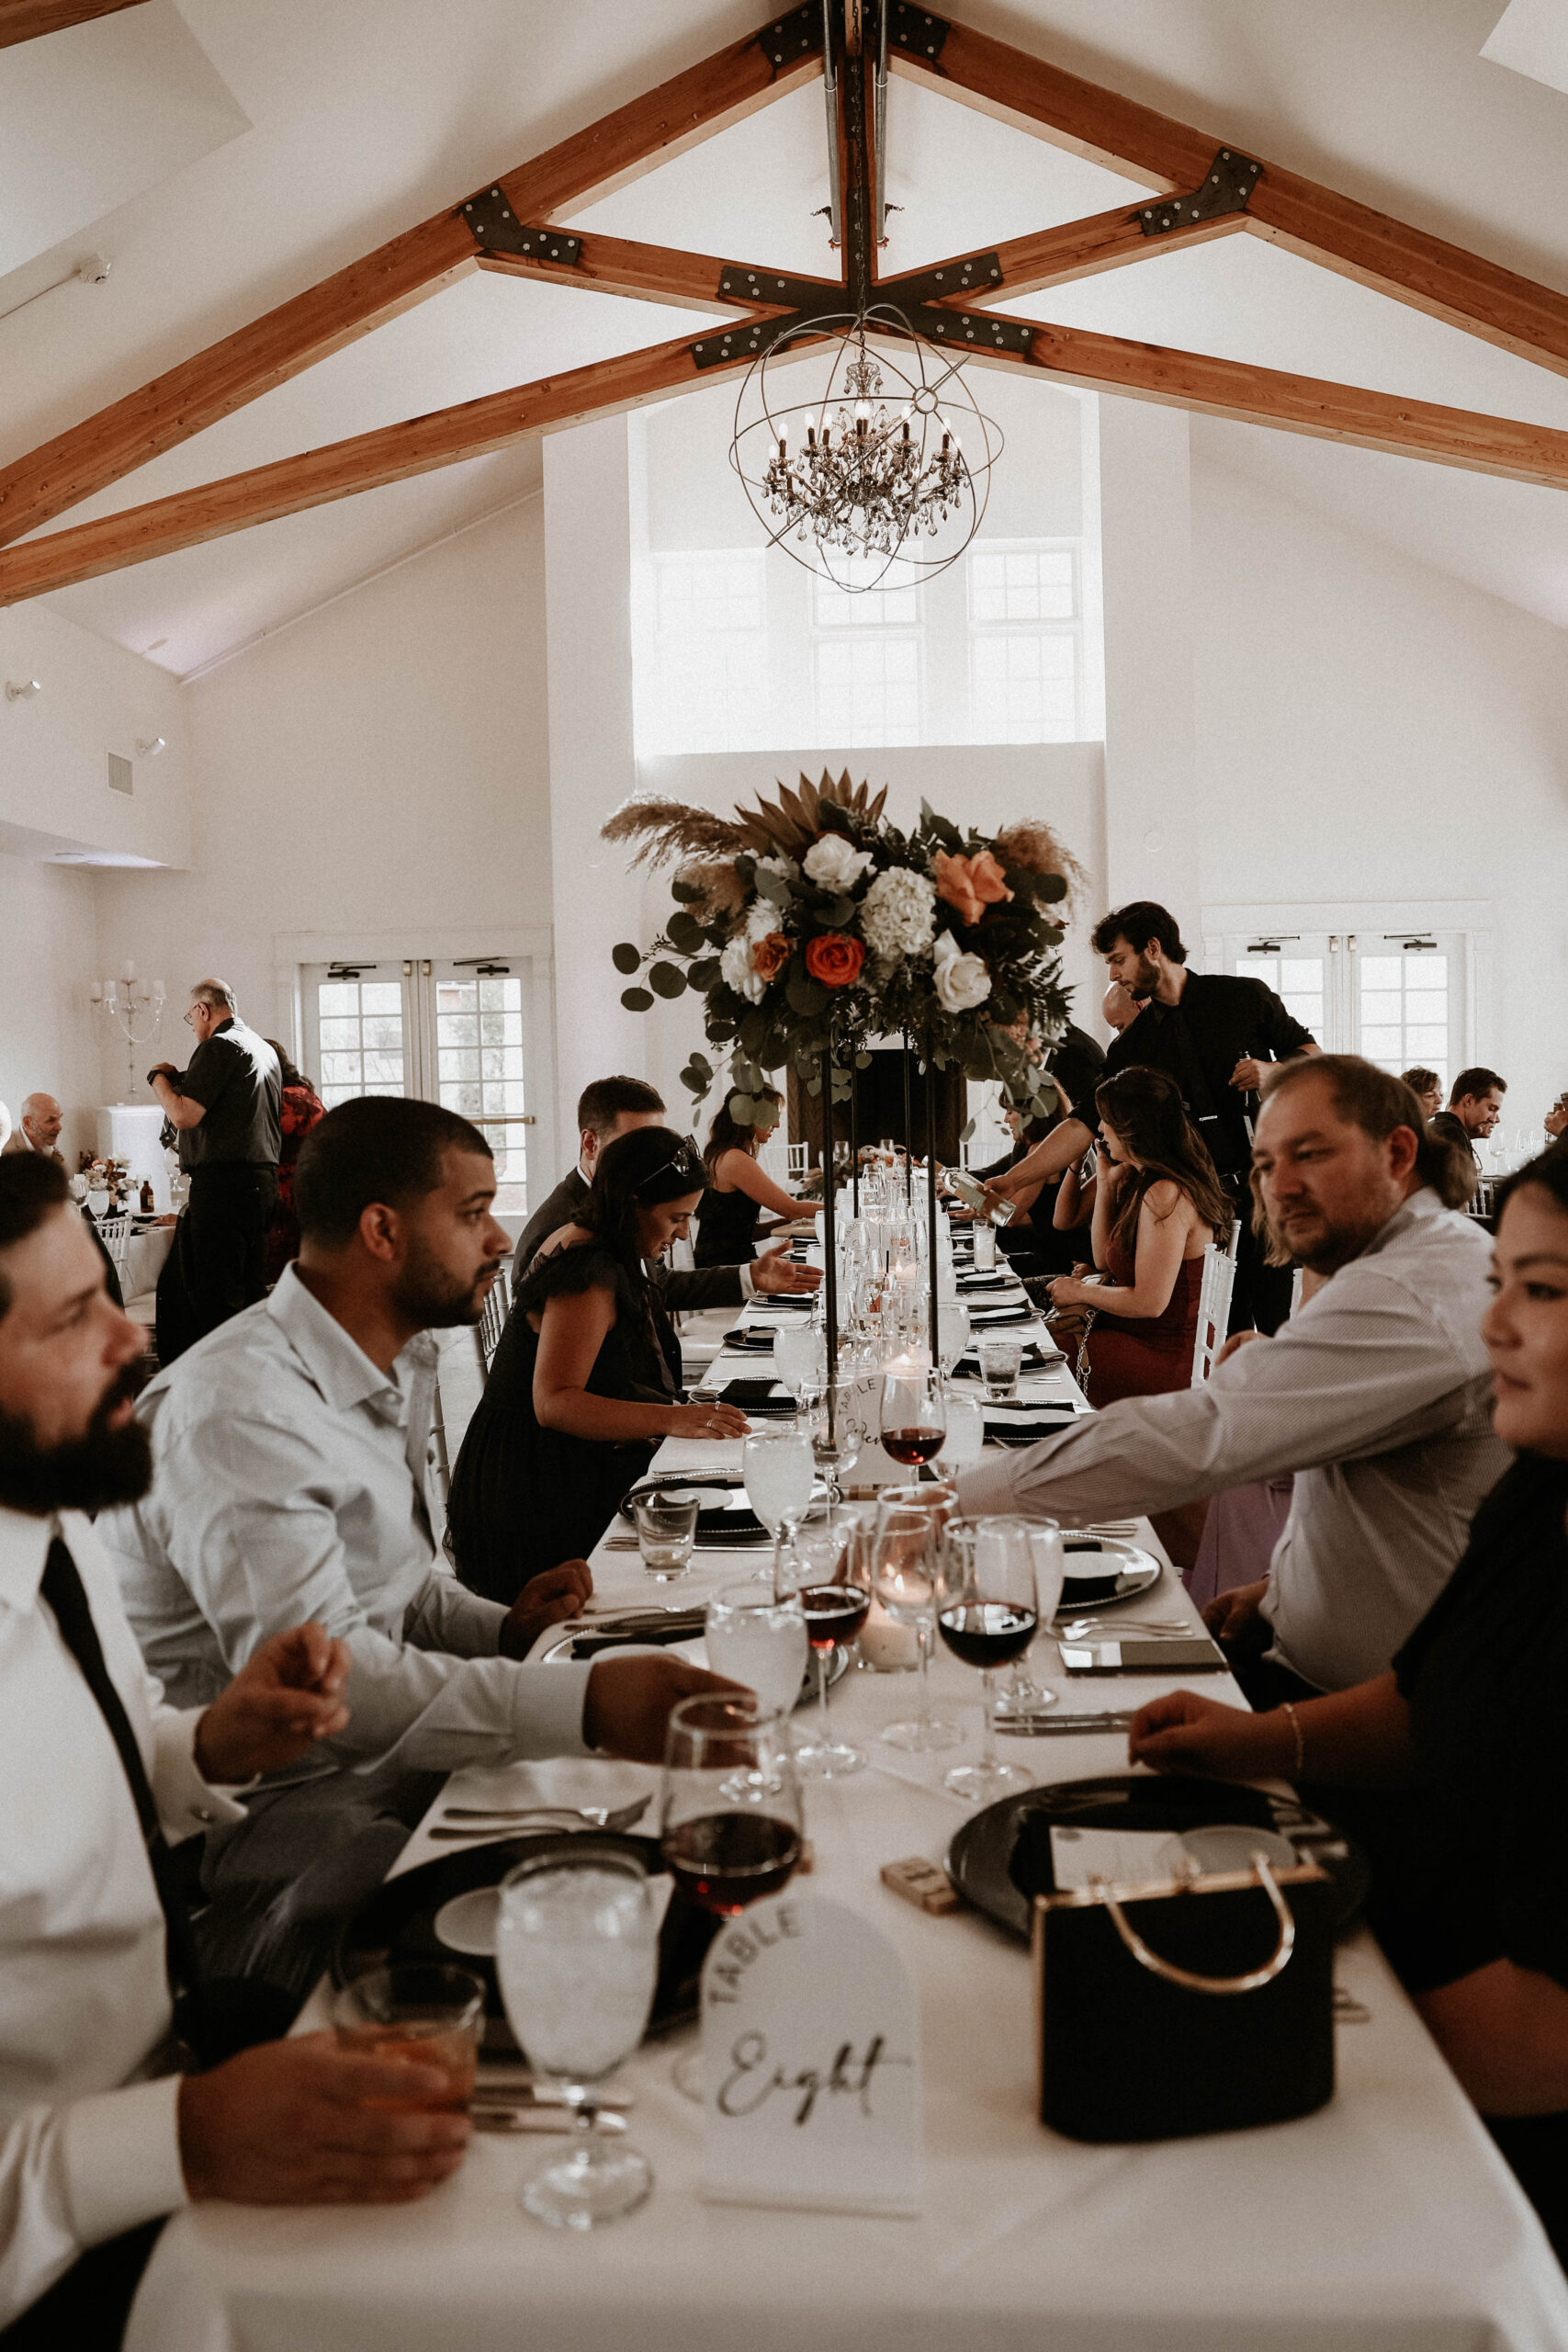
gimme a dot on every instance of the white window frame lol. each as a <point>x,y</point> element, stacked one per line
<point>852,631</point>
<point>1072,629</point>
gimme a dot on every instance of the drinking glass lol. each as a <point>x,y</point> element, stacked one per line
<point>778,1469</point>
<point>730,1810</point>
<point>987,1615</point>
<point>985,1246</point>
<point>953,1331</point>
<point>577,1953</point>
<point>965,1438</point>
<point>433,2015</point>
<point>838,1433</point>
<point>831,1571</point>
<point>666,1530</point>
<point>800,1360</point>
<point>910,1524</point>
<point>759,1640</point>
<point>914,1414</point>
<point>1001,1360</point>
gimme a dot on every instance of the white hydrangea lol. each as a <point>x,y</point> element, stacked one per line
<point>785,868</point>
<point>834,863</point>
<point>761,917</point>
<point>898,914</point>
<point>736,969</point>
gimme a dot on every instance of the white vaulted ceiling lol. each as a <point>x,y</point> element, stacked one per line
<point>314,132</point>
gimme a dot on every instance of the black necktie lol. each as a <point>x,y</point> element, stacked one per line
<point>62,1588</point>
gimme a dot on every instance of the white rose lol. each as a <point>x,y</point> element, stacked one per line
<point>735,966</point>
<point>962,981</point>
<point>834,863</point>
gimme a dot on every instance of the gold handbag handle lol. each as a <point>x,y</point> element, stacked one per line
<point>1255,1977</point>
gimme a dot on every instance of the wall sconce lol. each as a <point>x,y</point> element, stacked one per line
<point>149,751</point>
<point>135,1008</point>
<point>15,692</point>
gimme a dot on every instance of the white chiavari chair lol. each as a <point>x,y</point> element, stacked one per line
<point>1214,1304</point>
<point>492,1322</point>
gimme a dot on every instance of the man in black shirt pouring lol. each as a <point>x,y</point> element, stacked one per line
<point>1211,1033</point>
<point>224,1110</point>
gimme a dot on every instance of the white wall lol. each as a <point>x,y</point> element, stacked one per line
<point>54,745</point>
<point>1370,727</point>
<point>49,952</point>
<point>379,767</point>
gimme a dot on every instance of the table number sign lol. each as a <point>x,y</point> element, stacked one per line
<point>811,2069</point>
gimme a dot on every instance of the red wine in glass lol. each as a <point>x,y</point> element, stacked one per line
<point>724,1861</point>
<point>987,1633</point>
<point>912,1445</point>
<point>833,1612</point>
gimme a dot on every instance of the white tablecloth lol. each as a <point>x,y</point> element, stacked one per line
<point>1386,2223</point>
<point>146,1253</point>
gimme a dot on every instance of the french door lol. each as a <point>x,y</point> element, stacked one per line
<point>460,1032</point>
<point>1398,998</point>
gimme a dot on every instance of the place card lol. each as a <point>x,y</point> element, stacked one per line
<point>811,2067</point>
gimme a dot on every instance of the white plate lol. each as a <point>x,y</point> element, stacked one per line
<point>467,1922</point>
<point>1137,1571</point>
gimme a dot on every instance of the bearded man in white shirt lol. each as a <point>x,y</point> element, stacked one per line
<point>100,2132</point>
<point>290,1480</point>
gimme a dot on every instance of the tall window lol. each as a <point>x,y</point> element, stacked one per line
<point>866,660</point>
<point>1025,642</point>
<point>360,1032</point>
<point>1398,998</point>
<point>1403,1009</point>
<point>704,687</point>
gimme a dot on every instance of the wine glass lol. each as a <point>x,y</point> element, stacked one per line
<point>964,1440</point>
<point>800,1360</point>
<point>987,1615</point>
<point>831,1572</point>
<point>757,1639</point>
<point>577,1953</point>
<point>914,1413</point>
<point>778,1469</point>
<point>953,1332</point>
<point>730,1810</point>
<point>838,1432</point>
<point>910,1523</point>
<point>1024,1696</point>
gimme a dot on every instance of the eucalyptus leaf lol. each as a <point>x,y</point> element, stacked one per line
<point>703,973</point>
<point>686,933</point>
<point>624,956</point>
<point>667,980</point>
<point>805,995</point>
<point>688,893</point>
<point>636,999</point>
<point>774,889</point>
<point>742,1109</point>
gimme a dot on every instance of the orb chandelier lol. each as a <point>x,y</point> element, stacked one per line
<point>886,463</point>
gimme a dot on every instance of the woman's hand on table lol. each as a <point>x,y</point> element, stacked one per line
<point>1184,1733</point>
<point>546,1600</point>
<point>716,1420</point>
<point>302,2122</point>
<point>1067,1291</point>
<point>628,1702</point>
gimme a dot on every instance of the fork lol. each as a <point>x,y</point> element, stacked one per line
<point>598,1817</point>
<point>1077,1627</point>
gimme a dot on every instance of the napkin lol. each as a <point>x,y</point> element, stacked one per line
<point>756,1397</point>
<point>986,1319</point>
<point>747,1336</point>
<point>1015,1430</point>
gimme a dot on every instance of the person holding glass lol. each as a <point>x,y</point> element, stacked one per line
<point>587,1378</point>
<point>1158,1203</point>
<point>738,1189</point>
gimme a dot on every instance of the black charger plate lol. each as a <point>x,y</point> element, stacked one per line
<point>1000,1858</point>
<point>399,1921</point>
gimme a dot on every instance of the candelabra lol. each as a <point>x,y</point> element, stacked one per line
<point>133,1007</point>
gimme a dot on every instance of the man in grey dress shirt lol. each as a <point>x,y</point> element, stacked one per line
<point>1377,1394</point>
<point>289,1452</point>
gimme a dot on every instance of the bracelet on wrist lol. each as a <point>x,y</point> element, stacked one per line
<point>1288,1708</point>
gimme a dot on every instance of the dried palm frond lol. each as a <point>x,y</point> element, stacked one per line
<point>1032,845</point>
<point>795,821</point>
<point>669,827</point>
<point>723,892</point>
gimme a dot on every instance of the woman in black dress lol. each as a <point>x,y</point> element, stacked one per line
<point>586,1380</point>
<point>1470,1878</point>
<point>738,1189</point>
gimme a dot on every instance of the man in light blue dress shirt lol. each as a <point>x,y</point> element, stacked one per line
<point>289,1481</point>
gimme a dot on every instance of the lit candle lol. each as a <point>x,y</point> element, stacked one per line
<point>128,971</point>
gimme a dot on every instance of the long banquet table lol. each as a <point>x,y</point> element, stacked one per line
<point>1385,2223</point>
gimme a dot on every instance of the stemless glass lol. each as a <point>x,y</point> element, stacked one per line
<point>778,1469</point>
<point>914,1414</point>
<point>759,1639</point>
<point>910,1523</point>
<point>985,1246</point>
<point>831,1571</point>
<point>577,1953</point>
<point>1001,1360</point>
<point>666,1530</point>
<point>730,1810</point>
<point>430,2014</point>
<point>987,1615</point>
<point>1021,1696</point>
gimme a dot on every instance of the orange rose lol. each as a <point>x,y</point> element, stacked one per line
<point>770,955</point>
<point>835,960</point>
<point>969,885</point>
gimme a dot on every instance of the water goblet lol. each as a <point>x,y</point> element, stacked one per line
<point>953,1332</point>
<point>778,1469</point>
<point>577,1953</point>
<point>838,1433</point>
<point>965,1439</point>
<point>830,1569</point>
<point>914,1413</point>
<point>986,1615</point>
<point>758,1639</point>
<point>909,1529</point>
<point>1022,1696</point>
<point>800,1360</point>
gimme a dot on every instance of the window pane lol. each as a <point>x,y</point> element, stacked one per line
<point>1382,971</point>
<point>868,691</point>
<point>381,996</point>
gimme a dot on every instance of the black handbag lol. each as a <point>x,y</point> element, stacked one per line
<point>1201,2004</point>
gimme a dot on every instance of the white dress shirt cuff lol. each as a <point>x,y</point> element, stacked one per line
<point>986,1486</point>
<point>122,2158</point>
<point>748,1285</point>
<point>551,1700</point>
<point>187,1804</point>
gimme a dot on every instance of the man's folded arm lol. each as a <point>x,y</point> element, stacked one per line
<point>444,1615</point>
<point>73,2176</point>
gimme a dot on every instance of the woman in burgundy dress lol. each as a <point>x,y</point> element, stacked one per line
<point>297,1113</point>
<point>1158,1203</point>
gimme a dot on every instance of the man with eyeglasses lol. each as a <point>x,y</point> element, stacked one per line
<point>224,1111</point>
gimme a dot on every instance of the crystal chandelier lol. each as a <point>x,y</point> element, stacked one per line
<point>885,465</point>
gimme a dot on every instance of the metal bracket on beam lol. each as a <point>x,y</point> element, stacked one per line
<point>1230,182</point>
<point>976,274</point>
<point>916,30</point>
<point>746,339</point>
<point>497,230</point>
<point>789,39</point>
<point>741,284</point>
<point>971,331</point>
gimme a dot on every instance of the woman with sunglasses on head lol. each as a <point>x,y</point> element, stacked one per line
<point>1469,1868</point>
<point>587,1378</point>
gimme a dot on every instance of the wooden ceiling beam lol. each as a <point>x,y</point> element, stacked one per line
<point>654,273</point>
<point>391,452</point>
<point>1055,257</point>
<point>1290,403</point>
<point>1352,239</point>
<point>408,269</point>
<point>31,19</point>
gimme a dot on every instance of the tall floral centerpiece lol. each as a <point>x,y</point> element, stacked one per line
<point>812,924</point>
